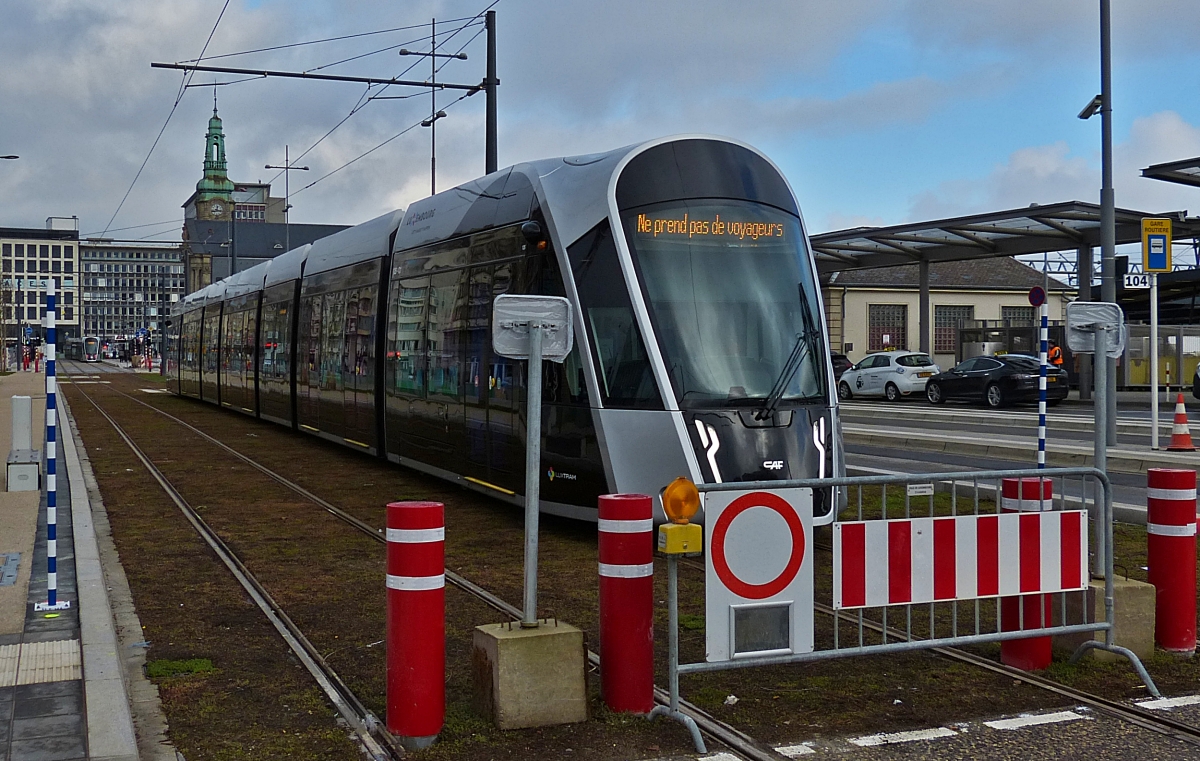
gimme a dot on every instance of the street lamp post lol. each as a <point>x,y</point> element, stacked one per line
<point>287,168</point>
<point>434,114</point>
<point>1102,104</point>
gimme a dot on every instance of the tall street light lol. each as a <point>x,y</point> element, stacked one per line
<point>1102,104</point>
<point>287,168</point>
<point>434,114</point>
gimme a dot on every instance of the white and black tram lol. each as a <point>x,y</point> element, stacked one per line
<point>700,344</point>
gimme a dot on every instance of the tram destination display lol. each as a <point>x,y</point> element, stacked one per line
<point>715,227</point>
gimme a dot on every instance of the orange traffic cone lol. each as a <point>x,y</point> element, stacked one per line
<point>1181,437</point>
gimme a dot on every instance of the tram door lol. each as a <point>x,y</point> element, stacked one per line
<point>437,418</point>
<point>494,445</point>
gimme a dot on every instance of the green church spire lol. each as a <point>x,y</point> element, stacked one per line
<point>216,183</point>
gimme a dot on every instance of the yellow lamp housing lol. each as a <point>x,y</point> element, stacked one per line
<point>680,500</point>
<point>680,538</point>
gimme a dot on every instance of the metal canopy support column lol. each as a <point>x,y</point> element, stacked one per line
<point>1083,266</point>
<point>923,318</point>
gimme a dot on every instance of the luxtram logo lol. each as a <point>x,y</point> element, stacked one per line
<point>553,474</point>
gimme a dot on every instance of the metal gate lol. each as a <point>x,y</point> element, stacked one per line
<point>921,561</point>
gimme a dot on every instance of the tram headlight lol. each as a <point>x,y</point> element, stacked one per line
<point>680,500</point>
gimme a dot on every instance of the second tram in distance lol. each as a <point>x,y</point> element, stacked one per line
<point>700,343</point>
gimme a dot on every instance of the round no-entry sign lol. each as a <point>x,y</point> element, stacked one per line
<point>758,579</point>
<point>721,529</point>
<point>1037,295</point>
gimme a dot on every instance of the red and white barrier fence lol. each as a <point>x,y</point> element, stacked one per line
<point>1171,556</point>
<point>920,560</point>
<point>416,622</point>
<point>626,548</point>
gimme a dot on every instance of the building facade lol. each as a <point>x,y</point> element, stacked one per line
<point>877,309</point>
<point>128,286</point>
<point>231,226</point>
<point>29,259</point>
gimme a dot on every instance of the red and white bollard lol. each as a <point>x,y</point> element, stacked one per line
<point>416,622</point>
<point>627,602</point>
<point>1033,611</point>
<point>1171,556</point>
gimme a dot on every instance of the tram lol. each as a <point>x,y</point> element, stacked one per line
<point>700,344</point>
<point>91,349</point>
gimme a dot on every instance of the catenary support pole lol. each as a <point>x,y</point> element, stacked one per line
<point>1108,227</point>
<point>489,87</point>
<point>1154,360</point>
<point>533,473</point>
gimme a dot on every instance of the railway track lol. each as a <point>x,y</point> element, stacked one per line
<point>370,730</point>
<point>714,729</point>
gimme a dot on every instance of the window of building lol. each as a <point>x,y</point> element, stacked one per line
<point>1015,314</point>
<point>8,249</point>
<point>56,251</point>
<point>44,251</point>
<point>947,319</point>
<point>68,267</point>
<point>887,326</point>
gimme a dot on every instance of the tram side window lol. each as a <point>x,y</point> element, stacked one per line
<point>622,363</point>
<point>447,332</point>
<point>406,336</point>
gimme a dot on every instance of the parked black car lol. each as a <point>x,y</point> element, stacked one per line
<point>841,363</point>
<point>1195,382</point>
<point>997,381</point>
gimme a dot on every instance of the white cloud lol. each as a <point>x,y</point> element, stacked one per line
<point>1051,174</point>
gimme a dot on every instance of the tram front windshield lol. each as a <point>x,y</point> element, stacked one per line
<point>731,295</point>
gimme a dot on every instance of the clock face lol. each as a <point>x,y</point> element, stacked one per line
<point>216,209</point>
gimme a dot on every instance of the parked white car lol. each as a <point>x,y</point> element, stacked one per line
<point>890,374</point>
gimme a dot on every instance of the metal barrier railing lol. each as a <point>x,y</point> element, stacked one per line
<point>854,624</point>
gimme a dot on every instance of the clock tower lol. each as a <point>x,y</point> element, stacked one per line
<point>214,192</point>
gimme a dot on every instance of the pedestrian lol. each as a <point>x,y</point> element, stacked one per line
<point>1055,356</point>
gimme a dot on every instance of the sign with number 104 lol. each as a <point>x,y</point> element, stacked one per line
<point>1156,245</point>
<point>1137,280</point>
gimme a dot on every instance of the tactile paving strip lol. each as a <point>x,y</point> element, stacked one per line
<point>35,662</point>
<point>9,654</point>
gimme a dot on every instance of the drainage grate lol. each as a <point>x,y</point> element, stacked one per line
<point>8,568</point>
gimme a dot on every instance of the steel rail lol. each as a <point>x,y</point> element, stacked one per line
<point>718,730</point>
<point>370,731</point>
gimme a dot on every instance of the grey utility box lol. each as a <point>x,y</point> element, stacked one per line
<point>24,462</point>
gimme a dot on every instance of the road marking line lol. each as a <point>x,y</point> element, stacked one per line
<point>721,757</point>
<point>1032,721</point>
<point>1164,703</point>
<point>795,751</point>
<point>902,737</point>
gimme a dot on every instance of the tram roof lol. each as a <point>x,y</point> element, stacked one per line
<point>1185,172</point>
<point>1031,230</point>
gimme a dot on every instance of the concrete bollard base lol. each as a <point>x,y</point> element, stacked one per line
<point>1134,604</point>
<point>530,677</point>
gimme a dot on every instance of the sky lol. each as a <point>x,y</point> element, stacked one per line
<point>877,111</point>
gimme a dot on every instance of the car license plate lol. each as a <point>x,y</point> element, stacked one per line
<point>1052,380</point>
<point>924,375</point>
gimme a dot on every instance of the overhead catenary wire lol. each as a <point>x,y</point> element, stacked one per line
<point>366,96</point>
<point>317,42</point>
<point>363,155</point>
<point>187,78</point>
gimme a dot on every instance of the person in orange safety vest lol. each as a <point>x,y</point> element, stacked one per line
<point>1055,355</point>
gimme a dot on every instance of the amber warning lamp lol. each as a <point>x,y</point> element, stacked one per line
<point>680,502</point>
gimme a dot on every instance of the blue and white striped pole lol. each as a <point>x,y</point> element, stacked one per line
<point>1042,357</point>
<point>52,602</point>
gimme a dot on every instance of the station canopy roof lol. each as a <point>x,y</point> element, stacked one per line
<point>1031,230</point>
<point>1186,172</point>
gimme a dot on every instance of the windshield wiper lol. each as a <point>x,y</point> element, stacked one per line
<point>794,360</point>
